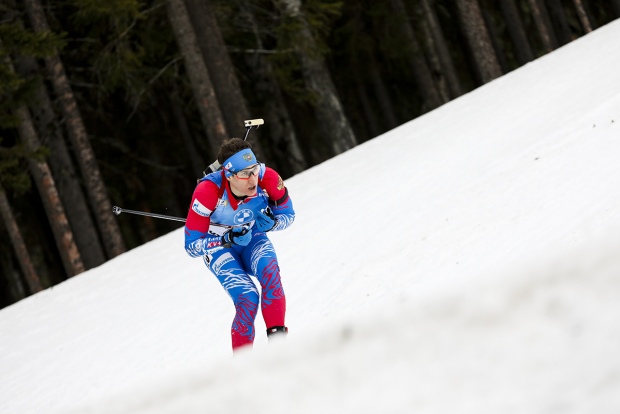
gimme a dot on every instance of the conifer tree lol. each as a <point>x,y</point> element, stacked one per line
<point>330,113</point>
<point>202,86</point>
<point>34,283</point>
<point>516,31</point>
<point>479,40</point>
<point>283,144</point>
<point>419,67</point>
<point>441,46</point>
<point>96,190</point>
<point>47,189</point>
<point>543,25</point>
<point>219,65</point>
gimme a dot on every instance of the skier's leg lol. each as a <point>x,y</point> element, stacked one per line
<point>226,265</point>
<point>260,258</point>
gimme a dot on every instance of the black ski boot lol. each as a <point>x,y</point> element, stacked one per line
<point>276,332</point>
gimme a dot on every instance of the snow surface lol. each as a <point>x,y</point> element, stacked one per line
<point>465,262</point>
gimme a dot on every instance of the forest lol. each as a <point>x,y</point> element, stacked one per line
<point>125,102</point>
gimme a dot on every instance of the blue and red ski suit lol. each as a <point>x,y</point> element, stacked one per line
<point>213,211</point>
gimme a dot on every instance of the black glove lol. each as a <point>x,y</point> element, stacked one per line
<point>240,236</point>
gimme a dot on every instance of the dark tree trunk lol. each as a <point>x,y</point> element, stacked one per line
<point>89,168</point>
<point>198,165</point>
<point>34,283</point>
<point>9,265</point>
<point>44,181</point>
<point>616,6</point>
<point>584,19</point>
<point>433,56</point>
<point>478,39</point>
<point>543,25</point>
<point>283,142</point>
<point>448,69</point>
<point>221,70</point>
<point>517,34</point>
<point>420,69</point>
<point>57,218</point>
<point>66,179</point>
<point>558,19</point>
<point>496,42</point>
<point>329,110</point>
<point>370,117</point>
<point>381,93</point>
<point>202,87</point>
<point>147,229</point>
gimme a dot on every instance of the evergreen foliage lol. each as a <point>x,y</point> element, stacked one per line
<point>18,90</point>
<point>13,172</point>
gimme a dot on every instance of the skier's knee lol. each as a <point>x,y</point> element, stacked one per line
<point>246,305</point>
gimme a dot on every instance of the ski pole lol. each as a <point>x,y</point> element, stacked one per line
<point>252,123</point>
<point>117,210</point>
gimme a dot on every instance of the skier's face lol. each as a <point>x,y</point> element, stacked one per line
<point>245,186</point>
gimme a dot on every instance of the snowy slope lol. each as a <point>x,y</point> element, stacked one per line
<point>465,262</point>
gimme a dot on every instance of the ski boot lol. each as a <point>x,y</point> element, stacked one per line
<point>276,333</point>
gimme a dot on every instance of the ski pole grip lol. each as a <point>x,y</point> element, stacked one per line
<point>253,123</point>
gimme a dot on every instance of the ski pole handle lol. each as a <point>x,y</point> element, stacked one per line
<point>252,123</point>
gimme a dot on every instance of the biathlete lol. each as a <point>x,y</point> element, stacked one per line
<point>229,217</point>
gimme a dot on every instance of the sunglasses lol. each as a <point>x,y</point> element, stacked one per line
<point>248,172</point>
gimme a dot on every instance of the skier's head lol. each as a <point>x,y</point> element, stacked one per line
<point>240,166</point>
<point>235,155</point>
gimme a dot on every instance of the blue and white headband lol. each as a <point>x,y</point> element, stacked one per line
<point>241,160</point>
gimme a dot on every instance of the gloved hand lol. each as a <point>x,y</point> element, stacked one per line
<point>265,221</point>
<point>240,236</point>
